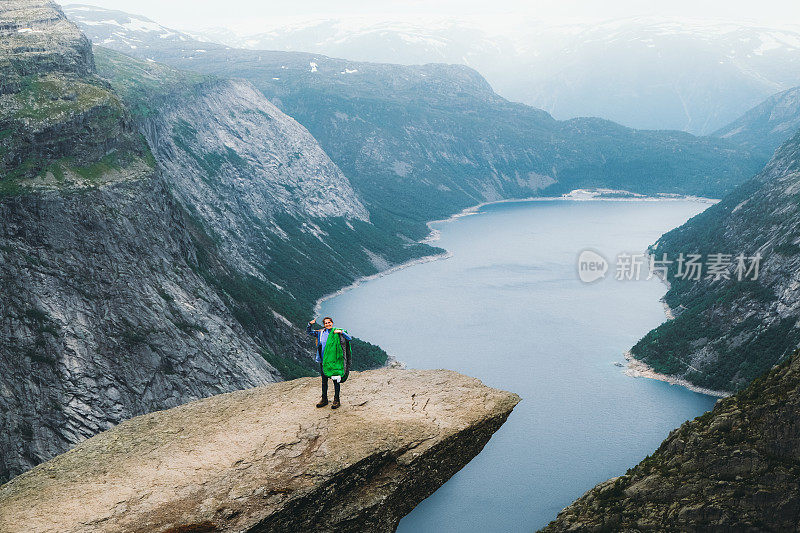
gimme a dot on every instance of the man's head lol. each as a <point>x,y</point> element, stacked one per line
<point>327,322</point>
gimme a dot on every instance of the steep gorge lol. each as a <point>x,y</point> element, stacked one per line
<point>262,194</point>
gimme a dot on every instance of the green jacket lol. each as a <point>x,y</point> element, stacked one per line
<point>333,356</point>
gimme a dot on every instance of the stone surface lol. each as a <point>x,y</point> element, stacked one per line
<point>265,459</point>
<point>104,318</point>
<point>736,468</point>
<point>35,37</point>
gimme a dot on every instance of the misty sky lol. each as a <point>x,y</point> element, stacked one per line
<point>246,15</point>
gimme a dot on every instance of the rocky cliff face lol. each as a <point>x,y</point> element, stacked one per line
<point>266,459</point>
<point>727,332</point>
<point>37,38</point>
<point>53,109</point>
<point>105,313</point>
<point>135,280</point>
<point>735,468</point>
<point>768,125</point>
<point>104,318</point>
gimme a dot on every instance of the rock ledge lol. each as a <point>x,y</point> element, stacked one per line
<point>265,459</point>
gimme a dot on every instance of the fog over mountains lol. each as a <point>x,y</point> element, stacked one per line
<point>643,73</point>
<point>171,209</point>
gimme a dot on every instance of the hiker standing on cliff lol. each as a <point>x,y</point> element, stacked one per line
<point>331,357</point>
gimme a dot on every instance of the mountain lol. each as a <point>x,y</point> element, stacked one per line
<point>726,331</point>
<point>666,74</point>
<point>422,142</point>
<point>261,460</point>
<point>404,42</point>
<point>259,189</point>
<point>642,72</point>
<point>161,238</point>
<point>733,469</point>
<point>768,125</point>
<point>120,28</point>
<point>104,315</point>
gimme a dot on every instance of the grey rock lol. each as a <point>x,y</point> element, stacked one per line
<point>269,165</point>
<point>265,459</point>
<point>103,318</point>
<point>36,38</point>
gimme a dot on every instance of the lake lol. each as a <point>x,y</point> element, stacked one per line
<point>508,307</point>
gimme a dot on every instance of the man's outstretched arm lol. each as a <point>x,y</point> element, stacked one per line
<point>311,330</point>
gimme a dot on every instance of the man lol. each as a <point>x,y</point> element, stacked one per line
<point>330,357</point>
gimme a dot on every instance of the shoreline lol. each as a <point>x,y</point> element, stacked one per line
<point>639,369</point>
<point>390,270</point>
<point>577,195</point>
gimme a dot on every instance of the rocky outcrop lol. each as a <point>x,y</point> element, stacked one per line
<point>35,37</point>
<point>53,109</point>
<point>729,331</point>
<point>735,468</point>
<point>265,459</point>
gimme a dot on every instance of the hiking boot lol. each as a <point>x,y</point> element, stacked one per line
<point>335,404</point>
<point>323,402</point>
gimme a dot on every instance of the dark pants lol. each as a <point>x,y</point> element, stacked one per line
<point>336,385</point>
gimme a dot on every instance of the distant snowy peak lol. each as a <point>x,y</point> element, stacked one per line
<point>439,37</point>
<point>645,73</point>
<point>753,39</point>
<point>395,41</point>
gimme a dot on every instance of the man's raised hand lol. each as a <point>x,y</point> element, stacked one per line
<point>313,320</point>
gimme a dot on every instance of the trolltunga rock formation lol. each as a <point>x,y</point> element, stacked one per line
<point>265,459</point>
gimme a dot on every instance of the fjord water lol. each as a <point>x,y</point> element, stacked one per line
<point>508,308</point>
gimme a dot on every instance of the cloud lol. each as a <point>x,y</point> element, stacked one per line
<point>190,14</point>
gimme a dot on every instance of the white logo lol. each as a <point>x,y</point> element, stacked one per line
<point>591,266</point>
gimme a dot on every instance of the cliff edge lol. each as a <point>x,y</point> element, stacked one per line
<point>265,459</point>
